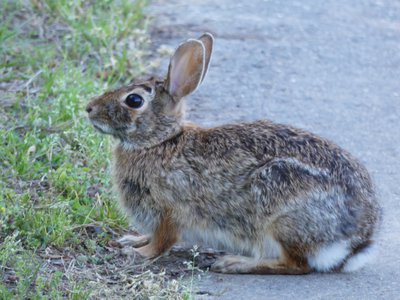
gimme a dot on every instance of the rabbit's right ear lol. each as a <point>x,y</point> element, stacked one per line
<point>186,69</point>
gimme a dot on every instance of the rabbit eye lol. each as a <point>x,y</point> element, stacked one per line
<point>134,101</point>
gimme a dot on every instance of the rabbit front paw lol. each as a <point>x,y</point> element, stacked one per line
<point>135,241</point>
<point>147,252</point>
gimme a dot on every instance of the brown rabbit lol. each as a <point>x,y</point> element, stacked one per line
<point>285,201</point>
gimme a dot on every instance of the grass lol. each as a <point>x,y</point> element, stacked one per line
<point>57,212</point>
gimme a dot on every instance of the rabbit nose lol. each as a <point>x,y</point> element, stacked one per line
<point>89,108</point>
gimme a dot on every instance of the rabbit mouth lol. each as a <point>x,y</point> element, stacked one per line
<point>101,127</point>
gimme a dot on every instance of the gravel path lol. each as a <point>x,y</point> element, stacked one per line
<point>332,67</point>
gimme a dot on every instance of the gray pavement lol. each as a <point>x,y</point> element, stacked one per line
<point>331,67</point>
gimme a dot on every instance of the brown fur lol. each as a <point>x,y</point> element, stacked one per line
<point>250,188</point>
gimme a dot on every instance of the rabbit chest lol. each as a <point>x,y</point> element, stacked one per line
<point>200,192</point>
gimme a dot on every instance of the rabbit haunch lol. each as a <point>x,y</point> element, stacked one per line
<point>283,200</point>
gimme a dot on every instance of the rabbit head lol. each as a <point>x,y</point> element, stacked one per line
<point>145,113</point>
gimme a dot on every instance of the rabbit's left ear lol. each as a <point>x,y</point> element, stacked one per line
<point>186,69</point>
<point>208,40</point>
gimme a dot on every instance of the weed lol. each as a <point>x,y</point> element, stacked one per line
<point>191,266</point>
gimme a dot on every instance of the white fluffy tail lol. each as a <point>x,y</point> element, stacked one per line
<point>331,256</point>
<point>358,260</point>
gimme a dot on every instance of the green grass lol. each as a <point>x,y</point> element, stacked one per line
<point>55,195</point>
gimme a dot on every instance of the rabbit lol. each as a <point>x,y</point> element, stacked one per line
<point>281,199</point>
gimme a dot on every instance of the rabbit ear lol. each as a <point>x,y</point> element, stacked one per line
<point>208,40</point>
<point>186,69</point>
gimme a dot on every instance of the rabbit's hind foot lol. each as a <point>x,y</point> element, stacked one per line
<point>234,264</point>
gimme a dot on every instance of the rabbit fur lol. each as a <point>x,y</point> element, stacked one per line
<point>283,200</point>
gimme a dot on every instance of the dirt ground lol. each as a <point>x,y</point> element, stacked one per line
<point>331,67</point>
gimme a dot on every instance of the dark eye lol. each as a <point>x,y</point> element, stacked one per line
<point>134,101</point>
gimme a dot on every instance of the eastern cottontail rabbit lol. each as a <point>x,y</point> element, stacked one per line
<point>282,199</point>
